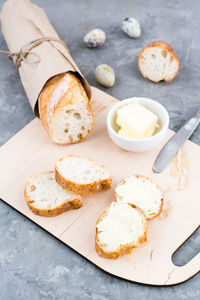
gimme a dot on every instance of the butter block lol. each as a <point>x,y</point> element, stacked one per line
<point>136,121</point>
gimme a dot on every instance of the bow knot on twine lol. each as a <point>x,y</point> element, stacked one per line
<point>26,50</point>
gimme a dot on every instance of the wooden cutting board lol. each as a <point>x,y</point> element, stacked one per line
<point>31,151</point>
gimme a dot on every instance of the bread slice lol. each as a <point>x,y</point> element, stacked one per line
<point>142,192</point>
<point>158,61</point>
<point>65,109</point>
<point>80,175</point>
<point>120,229</point>
<point>46,198</point>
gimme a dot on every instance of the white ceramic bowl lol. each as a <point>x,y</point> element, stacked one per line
<point>145,144</point>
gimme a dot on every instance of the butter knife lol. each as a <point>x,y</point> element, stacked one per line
<point>174,144</point>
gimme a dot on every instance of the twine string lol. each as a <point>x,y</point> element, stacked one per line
<point>26,50</point>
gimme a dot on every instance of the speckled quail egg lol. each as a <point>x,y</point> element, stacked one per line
<point>131,27</point>
<point>94,38</point>
<point>105,75</point>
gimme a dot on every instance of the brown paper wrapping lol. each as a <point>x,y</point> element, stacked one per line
<point>23,22</point>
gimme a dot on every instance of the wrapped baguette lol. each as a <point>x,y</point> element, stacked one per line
<point>52,81</point>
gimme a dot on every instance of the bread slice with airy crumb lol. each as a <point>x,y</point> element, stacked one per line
<point>142,192</point>
<point>65,109</point>
<point>120,229</point>
<point>81,176</point>
<point>46,198</point>
<point>158,61</point>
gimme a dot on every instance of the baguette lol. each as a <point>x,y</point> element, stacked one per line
<point>46,198</point>
<point>158,61</point>
<point>65,109</point>
<point>80,175</point>
<point>142,192</point>
<point>120,229</point>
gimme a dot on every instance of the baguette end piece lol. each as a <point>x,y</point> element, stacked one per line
<point>158,62</point>
<point>65,110</point>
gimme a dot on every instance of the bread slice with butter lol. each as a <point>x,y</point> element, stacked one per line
<point>46,198</point>
<point>81,176</point>
<point>136,121</point>
<point>142,192</point>
<point>120,229</point>
<point>158,61</point>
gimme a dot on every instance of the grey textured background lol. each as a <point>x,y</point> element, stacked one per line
<point>33,264</point>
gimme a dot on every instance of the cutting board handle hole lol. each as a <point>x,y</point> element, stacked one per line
<point>188,250</point>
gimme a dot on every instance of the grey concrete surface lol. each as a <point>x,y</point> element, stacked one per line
<point>33,264</point>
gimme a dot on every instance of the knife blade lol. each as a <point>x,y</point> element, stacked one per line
<point>175,143</point>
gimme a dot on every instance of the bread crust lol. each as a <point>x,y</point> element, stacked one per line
<point>81,189</point>
<point>123,249</point>
<point>52,212</point>
<point>162,199</point>
<point>165,46</point>
<point>68,98</point>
